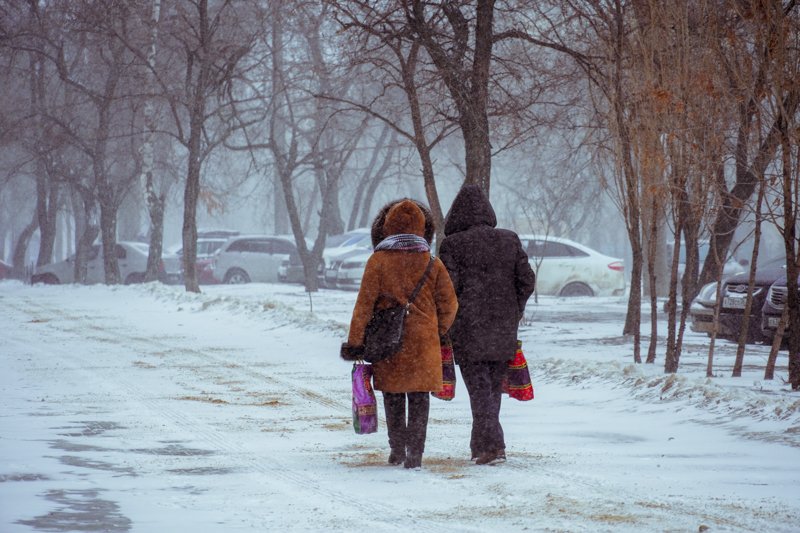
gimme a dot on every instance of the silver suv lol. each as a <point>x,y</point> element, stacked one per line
<point>254,258</point>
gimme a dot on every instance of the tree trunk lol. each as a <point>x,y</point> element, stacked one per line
<point>108,232</point>
<point>728,217</point>
<point>790,211</point>
<point>751,283</point>
<point>19,268</point>
<point>366,177</point>
<point>155,202</point>
<point>777,340</point>
<point>87,229</point>
<point>366,203</point>
<point>653,242</point>
<point>197,110</point>
<point>155,208</point>
<point>468,89</point>
<point>281,218</point>
<point>47,200</point>
<point>190,195</point>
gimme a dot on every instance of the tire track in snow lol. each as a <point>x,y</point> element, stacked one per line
<point>301,483</point>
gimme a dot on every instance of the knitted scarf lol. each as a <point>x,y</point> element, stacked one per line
<point>407,242</point>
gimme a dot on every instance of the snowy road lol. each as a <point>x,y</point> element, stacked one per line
<point>147,409</point>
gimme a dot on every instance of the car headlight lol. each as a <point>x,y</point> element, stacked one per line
<point>355,264</point>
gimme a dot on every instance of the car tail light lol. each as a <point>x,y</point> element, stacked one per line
<point>619,266</point>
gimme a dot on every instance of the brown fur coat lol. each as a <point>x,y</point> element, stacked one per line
<point>393,274</point>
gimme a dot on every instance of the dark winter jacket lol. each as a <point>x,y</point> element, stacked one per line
<point>391,275</point>
<point>491,276</point>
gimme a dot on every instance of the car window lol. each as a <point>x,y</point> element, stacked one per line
<point>282,247</point>
<point>540,248</point>
<point>575,252</point>
<point>356,239</point>
<point>209,247</point>
<point>535,248</point>
<point>142,247</point>
<point>260,247</point>
<point>556,249</point>
<point>242,245</point>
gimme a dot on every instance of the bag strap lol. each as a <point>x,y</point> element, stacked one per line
<point>419,284</point>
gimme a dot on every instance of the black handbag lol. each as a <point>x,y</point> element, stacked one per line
<point>383,336</point>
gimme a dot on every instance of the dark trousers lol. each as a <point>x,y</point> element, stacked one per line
<point>484,381</point>
<point>407,433</point>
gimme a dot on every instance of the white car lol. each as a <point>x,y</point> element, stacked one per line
<point>255,258</point>
<point>346,270</point>
<point>567,268</point>
<point>131,257</point>
<point>564,268</point>
<point>353,242</point>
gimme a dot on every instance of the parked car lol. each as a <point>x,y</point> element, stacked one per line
<point>206,247</point>
<point>173,267</point>
<point>5,270</point>
<point>773,307</point>
<point>223,234</point>
<point>701,313</point>
<point>291,270</point>
<point>567,268</point>
<point>249,258</point>
<point>345,271</point>
<point>734,298</point>
<point>357,240</point>
<point>131,256</point>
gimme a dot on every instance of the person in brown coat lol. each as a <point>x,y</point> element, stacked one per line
<point>390,276</point>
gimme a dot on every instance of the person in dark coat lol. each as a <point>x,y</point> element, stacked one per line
<point>410,375</point>
<point>493,280</point>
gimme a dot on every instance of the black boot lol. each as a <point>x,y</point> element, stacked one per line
<point>413,461</point>
<point>397,457</point>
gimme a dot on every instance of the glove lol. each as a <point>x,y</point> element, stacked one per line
<point>351,353</point>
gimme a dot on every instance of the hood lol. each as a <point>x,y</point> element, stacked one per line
<point>764,277</point>
<point>470,208</point>
<point>404,217</point>
<point>378,233</point>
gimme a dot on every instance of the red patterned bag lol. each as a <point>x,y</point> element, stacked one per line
<point>517,383</point>
<point>448,391</point>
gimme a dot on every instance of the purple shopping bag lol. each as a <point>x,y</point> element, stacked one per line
<point>365,408</point>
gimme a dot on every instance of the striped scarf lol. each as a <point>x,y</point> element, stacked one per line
<point>407,242</point>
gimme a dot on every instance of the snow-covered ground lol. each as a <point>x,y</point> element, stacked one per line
<point>143,408</point>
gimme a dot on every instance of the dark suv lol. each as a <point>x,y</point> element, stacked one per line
<point>773,308</point>
<point>734,297</point>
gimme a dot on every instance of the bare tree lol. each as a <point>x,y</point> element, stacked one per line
<point>208,42</point>
<point>380,41</point>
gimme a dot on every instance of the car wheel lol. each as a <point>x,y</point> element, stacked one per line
<point>236,276</point>
<point>576,289</point>
<point>136,277</point>
<point>47,279</point>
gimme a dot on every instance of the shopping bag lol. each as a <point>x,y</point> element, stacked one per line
<point>517,383</point>
<point>448,390</point>
<point>365,407</point>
